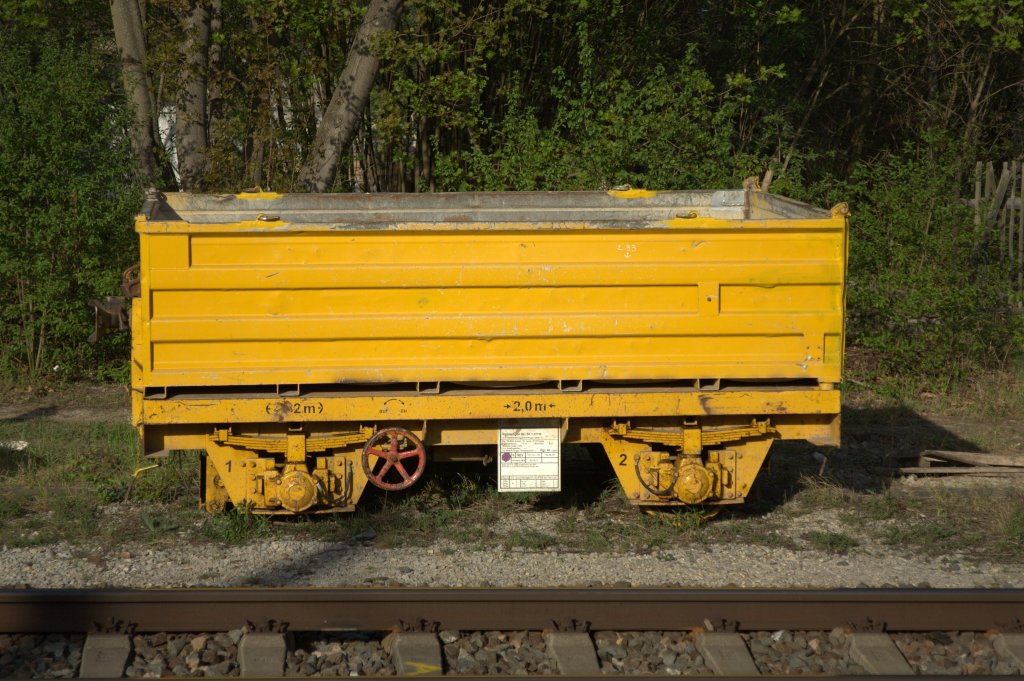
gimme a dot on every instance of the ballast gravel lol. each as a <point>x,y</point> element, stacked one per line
<point>496,652</point>
<point>649,652</point>
<point>785,653</point>
<point>959,653</point>
<point>347,654</point>
<point>796,653</point>
<point>54,656</point>
<point>184,655</point>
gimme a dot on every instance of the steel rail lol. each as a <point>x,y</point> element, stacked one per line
<point>382,609</point>
<point>642,677</point>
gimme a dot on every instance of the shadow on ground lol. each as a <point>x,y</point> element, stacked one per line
<point>459,504</point>
<point>871,439</point>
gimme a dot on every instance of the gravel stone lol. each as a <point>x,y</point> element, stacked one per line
<point>781,652</point>
<point>495,652</point>
<point>54,656</point>
<point>343,654</point>
<point>651,652</point>
<point>162,654</point>
<point>952,653</point>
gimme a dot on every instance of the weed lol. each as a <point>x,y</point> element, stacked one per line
<point>27,539</point>
<point>930,536</point>
<point>518,498</point>
<point>75,513</point>
<point>777,540</point>
<point>176,477</point>
<point>463,492</point>
<point>831,542</point>
<point>158,524</point>
<point>592,539</point>
<point>1013,532</point>
<point>687,518</point>
<point>62,453</point>
<point>820,493</point>
<point>883,506</point>
<point>751,531</point>
<point>9,508</point>
<point>237,525</point>
<point>529,539</point>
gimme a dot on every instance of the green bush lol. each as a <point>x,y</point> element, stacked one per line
<point>927,293</point>
<point>67,195</point>
<point>673,130</point>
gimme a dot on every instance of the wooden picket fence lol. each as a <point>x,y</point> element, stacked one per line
<point>999,206</point>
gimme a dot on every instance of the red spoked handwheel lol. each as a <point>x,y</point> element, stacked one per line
<point>403,456</point>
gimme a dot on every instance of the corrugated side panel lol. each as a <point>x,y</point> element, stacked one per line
<point>247,308</point>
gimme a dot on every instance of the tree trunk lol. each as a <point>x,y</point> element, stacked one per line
<point>130,38</point>
<point>191,113</point>
<point>344,112</point>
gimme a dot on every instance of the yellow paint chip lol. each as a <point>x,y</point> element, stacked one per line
<point>258,196</point>
<point>631,193</point>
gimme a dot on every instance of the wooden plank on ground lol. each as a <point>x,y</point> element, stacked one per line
<point>961,470</point>
<point>975,458</point>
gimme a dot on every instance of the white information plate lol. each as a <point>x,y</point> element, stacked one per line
<point>529,460</point>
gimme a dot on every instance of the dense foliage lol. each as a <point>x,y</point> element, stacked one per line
<point>886,104</point>
<point>66,200</point>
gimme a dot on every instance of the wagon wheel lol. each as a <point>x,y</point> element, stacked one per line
<point>403,456</point>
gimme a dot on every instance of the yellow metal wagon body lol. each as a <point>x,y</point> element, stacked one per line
<point>683,331</point>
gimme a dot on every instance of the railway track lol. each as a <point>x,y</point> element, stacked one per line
<point>475,632</point>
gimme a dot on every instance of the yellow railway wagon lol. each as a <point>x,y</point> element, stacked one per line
<point>312,344</point>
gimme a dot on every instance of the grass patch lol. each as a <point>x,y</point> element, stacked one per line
<point>815,493</point>
<point>830,542</point>
<point>985,521</point>
<point>1012,540</point>
<point>751,530</point>
<point>883,506</point>
<point>177,477</point>
<point>237,525</point>
<point>62,453</point>
<point>530,540</point>
<point>157,523</point>
<point>10,508</point>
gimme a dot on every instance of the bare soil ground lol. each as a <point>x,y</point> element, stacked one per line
<point>75,402</point>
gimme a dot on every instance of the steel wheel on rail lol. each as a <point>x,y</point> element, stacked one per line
<point>400,459</point>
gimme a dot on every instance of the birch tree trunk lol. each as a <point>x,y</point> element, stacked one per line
<point>130,38</point>
<point>191,118</point>
<point>343,113</point>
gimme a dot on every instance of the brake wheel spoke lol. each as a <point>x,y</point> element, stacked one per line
<point>397,448</point>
